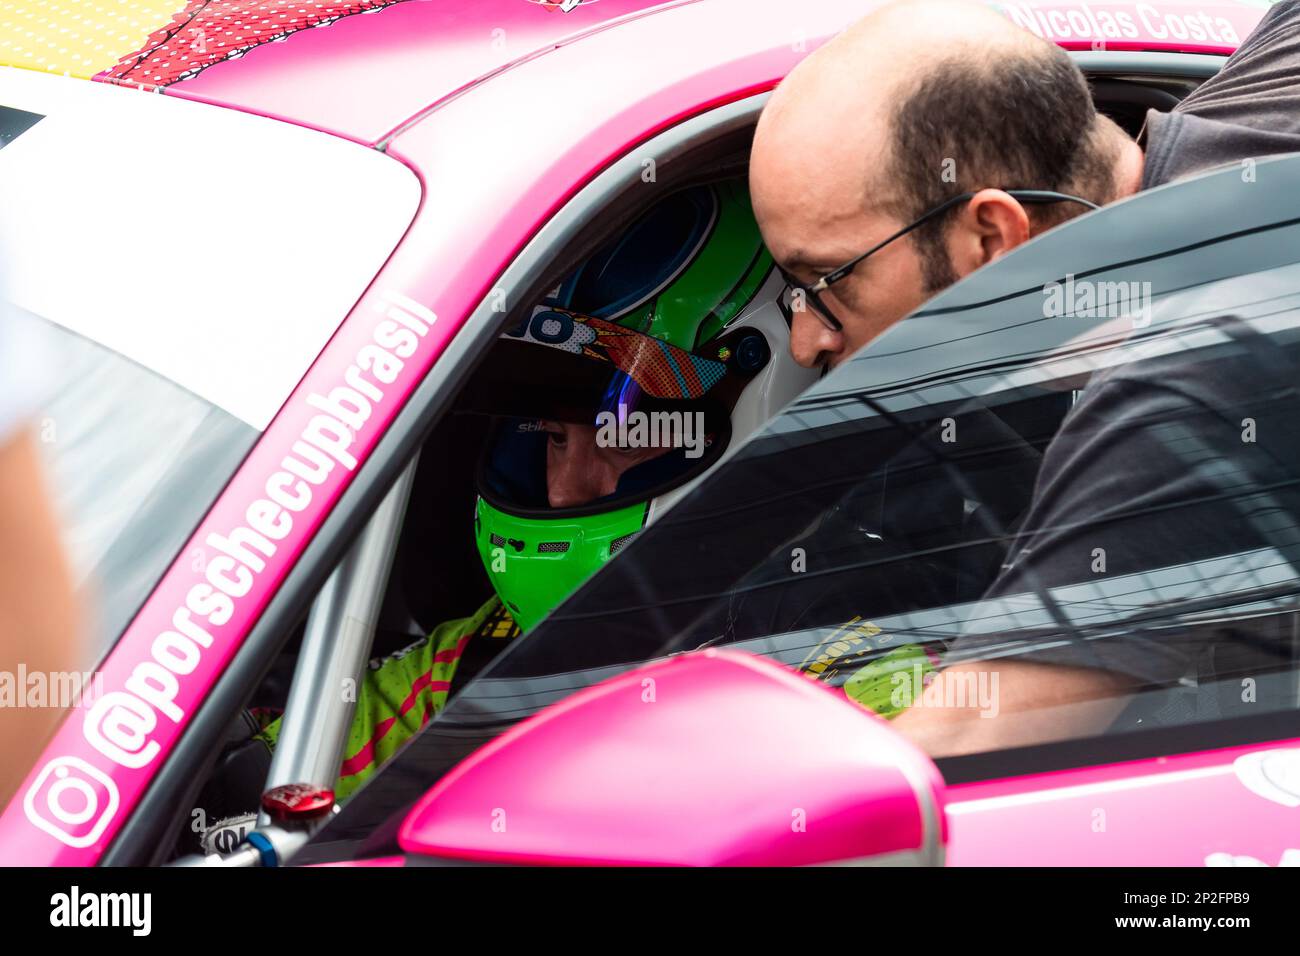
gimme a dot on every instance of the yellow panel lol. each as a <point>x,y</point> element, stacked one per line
<point>78,37</point>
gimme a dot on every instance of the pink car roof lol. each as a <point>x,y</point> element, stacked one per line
<point>362,67</point>
<point>363,75</point>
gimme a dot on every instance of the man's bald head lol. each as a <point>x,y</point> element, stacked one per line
<point>914,104</point>
<point>840,98</point>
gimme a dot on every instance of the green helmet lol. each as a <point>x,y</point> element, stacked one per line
<point>680,321</point>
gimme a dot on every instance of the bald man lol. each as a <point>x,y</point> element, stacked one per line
<point>937,136</point>
<point>913,105</point>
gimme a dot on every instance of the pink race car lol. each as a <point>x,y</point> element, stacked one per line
<point>299,265</point>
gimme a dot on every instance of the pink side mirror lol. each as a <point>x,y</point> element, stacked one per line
<point>707,759</point>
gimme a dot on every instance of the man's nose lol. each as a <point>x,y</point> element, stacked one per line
<point>811,343</point>
<point>572,480</point>
<point>568,488</point>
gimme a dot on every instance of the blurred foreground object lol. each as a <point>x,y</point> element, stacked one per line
<point>38,616</point>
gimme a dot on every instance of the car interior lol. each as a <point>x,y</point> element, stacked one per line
<point>437,574</point>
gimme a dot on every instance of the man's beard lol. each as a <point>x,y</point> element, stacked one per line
<point>937,272</point>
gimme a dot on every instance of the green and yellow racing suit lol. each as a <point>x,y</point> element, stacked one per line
<point>400,693</point>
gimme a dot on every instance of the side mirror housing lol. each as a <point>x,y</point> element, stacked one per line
<point>715,758</point>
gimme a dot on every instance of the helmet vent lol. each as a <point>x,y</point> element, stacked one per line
<point>497,540</point>
<point>616,545</point>
<point>552,547</point>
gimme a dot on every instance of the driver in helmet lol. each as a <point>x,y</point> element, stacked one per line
<point>620,388</point>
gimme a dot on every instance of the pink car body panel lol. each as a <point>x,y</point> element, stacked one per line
<point>1221,807</point>
<point>804,751</point>
<point>365,74</point>
<point>1237,806</point>
<point>486,194</point>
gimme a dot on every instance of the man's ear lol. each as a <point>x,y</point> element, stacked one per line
<point>989,226</point>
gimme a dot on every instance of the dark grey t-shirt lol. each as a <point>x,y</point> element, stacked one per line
<point>1249,110</point>
<point>1149,469</point>
<point>1155,468</point>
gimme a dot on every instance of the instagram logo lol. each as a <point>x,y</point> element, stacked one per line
<point>71,801</point>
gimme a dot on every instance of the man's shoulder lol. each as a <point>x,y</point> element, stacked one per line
<point>1133,390</point>
<point>1221,362</point>
<point>490,620</point>
<point>1250,109</point>
<point>1162,412</point>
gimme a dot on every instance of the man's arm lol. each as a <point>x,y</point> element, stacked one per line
<point>1025,703</point>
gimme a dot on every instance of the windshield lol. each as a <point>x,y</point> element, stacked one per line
<point>183,303</point>
<point>133,461</point>
<point>1082,457</point>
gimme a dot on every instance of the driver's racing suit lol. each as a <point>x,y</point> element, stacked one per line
<point>401,692</point>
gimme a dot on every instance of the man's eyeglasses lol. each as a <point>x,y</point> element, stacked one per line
<point>812,293</point>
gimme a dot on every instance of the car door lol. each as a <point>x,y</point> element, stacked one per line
<point>857,537</point>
